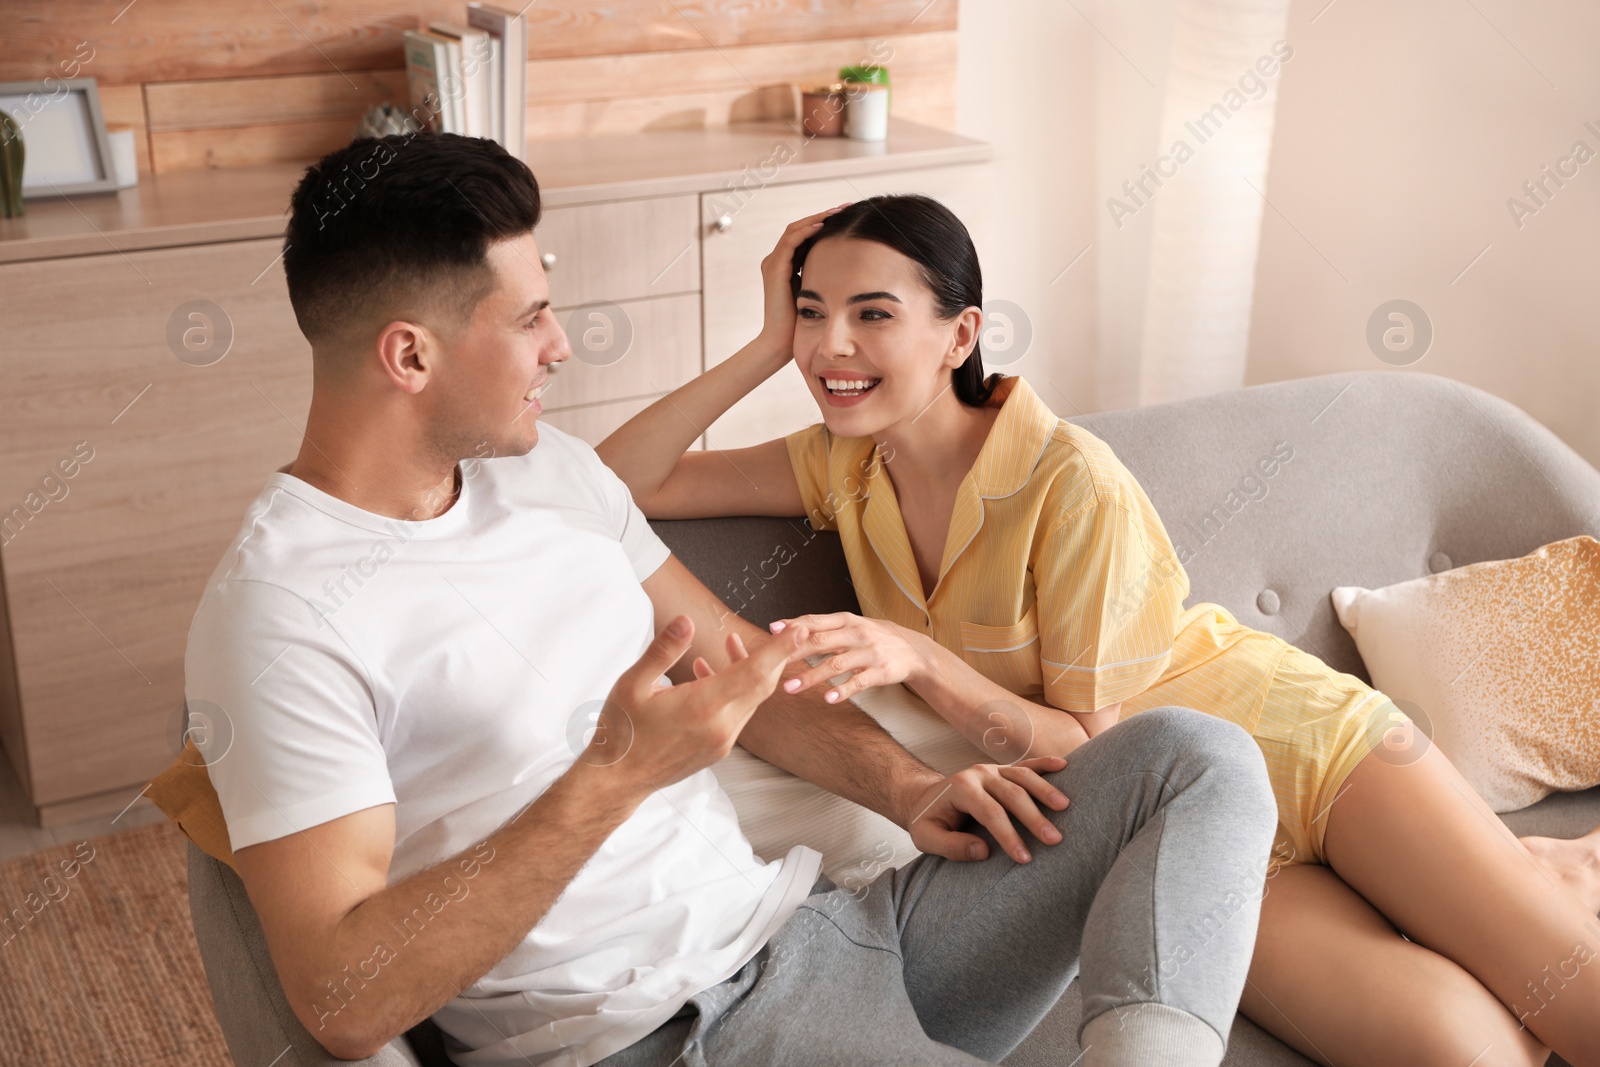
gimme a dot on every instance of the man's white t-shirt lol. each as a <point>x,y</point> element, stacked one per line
<point>453,667</point>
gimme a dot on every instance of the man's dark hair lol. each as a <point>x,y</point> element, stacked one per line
<point>402,224</point>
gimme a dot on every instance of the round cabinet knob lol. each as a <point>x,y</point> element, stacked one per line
<point>548,259</point>
<point>723,224</point>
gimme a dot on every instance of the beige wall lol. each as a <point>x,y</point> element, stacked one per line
<point>1401,132</point>
<point>1025,83</point>
<point>1403,129</point>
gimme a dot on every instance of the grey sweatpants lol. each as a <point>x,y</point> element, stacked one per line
<point>1155,887</point>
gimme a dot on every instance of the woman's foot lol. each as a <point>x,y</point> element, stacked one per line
<point>1574,863</point>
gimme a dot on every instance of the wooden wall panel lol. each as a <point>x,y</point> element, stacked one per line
<point>194,105</point>
<point>245,146</point>
<point>927,98</point>
<point>237,122</point>
<point>593,118</point>
<point>125,104</point>
<point>747,67</point>
<point>290,84</point>
<point>924,99</point>
<point>241,121</point>
<point>183,40</point>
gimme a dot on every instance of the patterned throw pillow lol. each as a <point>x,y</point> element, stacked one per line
<point>1498,662</point>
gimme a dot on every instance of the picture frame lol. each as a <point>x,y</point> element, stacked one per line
<point>64,133</point>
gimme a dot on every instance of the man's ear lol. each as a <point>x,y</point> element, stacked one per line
<point>965,330</point>
<point>407,353</point>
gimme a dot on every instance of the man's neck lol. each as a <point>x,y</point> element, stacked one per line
<point>379,494</point>
<point>361,463</point>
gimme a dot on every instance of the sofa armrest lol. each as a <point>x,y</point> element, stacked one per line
<point>257,1022</point>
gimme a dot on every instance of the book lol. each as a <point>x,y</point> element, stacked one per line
<point>497,75</point>
<point>472,69</point>
<point>445,66</point>
<point>451,88</point>
<point>472,79</point>
<point>510,32</point>
<point>426,58</point>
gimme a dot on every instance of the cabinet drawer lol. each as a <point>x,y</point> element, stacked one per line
<point>629,349</point>
<point>621,250</point>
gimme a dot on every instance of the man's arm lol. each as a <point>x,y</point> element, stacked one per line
<point>845,751</point>
<point>338,935</point>
<point>836,746</point>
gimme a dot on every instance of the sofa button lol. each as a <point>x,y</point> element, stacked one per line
<point>1267,602</point>
<point>1438,562</point>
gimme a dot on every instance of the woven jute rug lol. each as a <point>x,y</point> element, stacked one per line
<point>98,962</point>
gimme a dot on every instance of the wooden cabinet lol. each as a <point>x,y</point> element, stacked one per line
<point>177,410</point>
<point>626,350</point>
<point>154,377</point>
<point>620,250</point>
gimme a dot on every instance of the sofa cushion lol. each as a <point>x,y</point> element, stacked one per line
<point>1495,663</point>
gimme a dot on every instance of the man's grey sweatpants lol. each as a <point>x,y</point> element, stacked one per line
<point>1155,887</point>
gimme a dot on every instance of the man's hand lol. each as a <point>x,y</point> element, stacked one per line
<point>991,793</point>
<point>663,734</point>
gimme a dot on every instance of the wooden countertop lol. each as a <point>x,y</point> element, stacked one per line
<point>204,206</point>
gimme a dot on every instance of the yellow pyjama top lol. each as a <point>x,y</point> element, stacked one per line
<point>1059,583</point>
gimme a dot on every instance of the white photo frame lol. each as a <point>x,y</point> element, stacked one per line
<point>64,135</point>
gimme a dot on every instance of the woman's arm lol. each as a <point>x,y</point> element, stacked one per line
<point>650,452</point>
<point>992,717</point>
<point>879,652</point>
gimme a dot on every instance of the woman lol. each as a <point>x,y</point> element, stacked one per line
<point>1004,558</point>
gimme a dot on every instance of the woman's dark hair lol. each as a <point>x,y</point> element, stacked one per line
<point>928,233</point>
<point>402,221</point>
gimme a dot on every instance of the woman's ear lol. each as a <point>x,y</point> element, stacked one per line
<point>964,331</point>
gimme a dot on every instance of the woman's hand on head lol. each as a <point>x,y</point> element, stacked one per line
<point>879,652</point>
<point>777,328</point>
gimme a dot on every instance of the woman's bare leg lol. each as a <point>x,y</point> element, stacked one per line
<point>1423,848</point>
<point>1573,862</point>
<point>1331,978</point>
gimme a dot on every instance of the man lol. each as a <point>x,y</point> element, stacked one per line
<point>424,615</point>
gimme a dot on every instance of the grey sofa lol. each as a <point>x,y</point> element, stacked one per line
<point>1391,476</point>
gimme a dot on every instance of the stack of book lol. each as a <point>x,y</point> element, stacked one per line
<point>472,79</point>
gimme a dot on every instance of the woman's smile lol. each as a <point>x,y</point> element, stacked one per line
<point>843,390</point>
